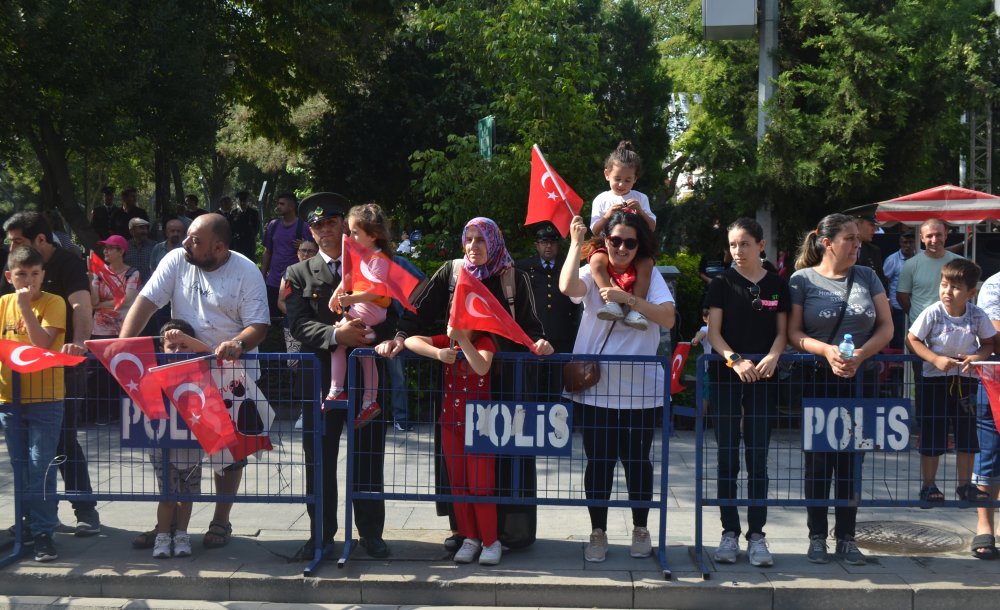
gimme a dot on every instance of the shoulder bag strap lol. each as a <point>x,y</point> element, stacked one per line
<point>843,310</point>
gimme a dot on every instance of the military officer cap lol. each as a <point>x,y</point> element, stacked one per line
<point>322,206</point>
<point>547,233</point>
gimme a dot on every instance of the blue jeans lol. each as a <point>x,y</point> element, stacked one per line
<point>743,411</point>
<point>31,443</point>
<point>398,394</point>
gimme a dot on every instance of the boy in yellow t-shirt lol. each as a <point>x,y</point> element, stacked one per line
<point>37,318</point>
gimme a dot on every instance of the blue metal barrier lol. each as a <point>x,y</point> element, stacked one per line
<point>115,440</point>
<point>873,417</point>
<point>520,425</point>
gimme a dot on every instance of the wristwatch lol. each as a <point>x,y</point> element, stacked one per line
<point>733,359</point>
<point>241,343</point>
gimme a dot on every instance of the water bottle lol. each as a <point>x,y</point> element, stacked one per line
<point>846,347</point>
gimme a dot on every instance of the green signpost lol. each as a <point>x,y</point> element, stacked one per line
<point>485,129</point>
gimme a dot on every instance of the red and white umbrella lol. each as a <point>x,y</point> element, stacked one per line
<point>953,204</point>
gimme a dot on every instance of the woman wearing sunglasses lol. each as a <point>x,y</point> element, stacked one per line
<point>619,412</point>
<point>831,296</point>
<point>747,317</point>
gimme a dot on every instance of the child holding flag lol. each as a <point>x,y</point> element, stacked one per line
<point>184,464</point>
<point>37,318</point>
<point>469,474</point>
<point>621,170</point>
<point>369,227</point>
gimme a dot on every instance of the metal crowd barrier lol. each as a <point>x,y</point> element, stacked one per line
<point>110,442</point>
<point>535,434</point>
<point>873,416</point>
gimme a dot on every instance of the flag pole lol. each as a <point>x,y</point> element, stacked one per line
<point>548,170</point>
<point>185,361</point>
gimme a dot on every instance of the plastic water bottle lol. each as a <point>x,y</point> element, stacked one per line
<point>846,347</point>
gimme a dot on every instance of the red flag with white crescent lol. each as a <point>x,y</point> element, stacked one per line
<point>190,387</point>
<point>474,307</point>
<point>109,277</point>
<point>128,361</point>
<point>677,366</point>
<point>989,373</point>
<point>377,274</point>
<point>549,197</point>
<point>26,358</point>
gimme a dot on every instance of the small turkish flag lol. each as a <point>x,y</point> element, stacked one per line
<point>376,274</point>
<point>190,387</point>
<point>26,358</point>
<point>109,277</point>
<point>139,355</point>
<point>474,307</point>
<point>550,198</point>
<point>677,366</point>
<point>990,376</point>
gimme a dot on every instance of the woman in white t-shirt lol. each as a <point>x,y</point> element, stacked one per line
<point>619,412</point>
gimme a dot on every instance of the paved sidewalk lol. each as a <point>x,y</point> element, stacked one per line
<point>255,566</point>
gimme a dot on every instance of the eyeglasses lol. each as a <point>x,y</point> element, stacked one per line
<point>630,243</point>
<point>307,251</point>
<point>757,304</point>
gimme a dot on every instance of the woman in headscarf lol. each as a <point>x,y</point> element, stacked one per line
<point>486,258</point>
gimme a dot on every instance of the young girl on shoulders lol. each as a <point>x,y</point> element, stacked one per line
<point>370,228</point>
<point>621,170</point>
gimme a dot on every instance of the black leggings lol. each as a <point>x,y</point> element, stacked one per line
<point>610,435</point>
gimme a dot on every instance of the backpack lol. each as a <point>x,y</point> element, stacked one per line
<point>272,228</point>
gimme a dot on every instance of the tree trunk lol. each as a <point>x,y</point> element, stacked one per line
<point>175,173</point>
<point>161,177</point>
<point>50,149</point>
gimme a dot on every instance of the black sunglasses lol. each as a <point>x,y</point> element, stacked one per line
<point>755,293</point>
<point>631,243</point>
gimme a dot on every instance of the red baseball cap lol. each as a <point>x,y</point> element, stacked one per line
<point>115,241</point>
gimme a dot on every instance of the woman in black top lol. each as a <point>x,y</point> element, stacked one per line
<point>748,313</point>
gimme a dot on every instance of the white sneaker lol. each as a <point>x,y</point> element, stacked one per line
<point>467,554</point>
<point>182,544</point>
<point>636,320</point>
<point>757,551</point>
<point>491,554</point>
<point>641,545</point>
<point>610,311</point>
<point>729,548</point>
<point>161,546</point>
<point>597,550</point>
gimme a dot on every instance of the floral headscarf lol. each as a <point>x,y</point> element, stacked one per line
<point>498,258</point>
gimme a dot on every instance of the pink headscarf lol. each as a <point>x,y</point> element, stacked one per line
<point>497,259</point>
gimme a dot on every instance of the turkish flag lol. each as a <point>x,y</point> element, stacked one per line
<point>989,373</point>
<point>473,307</point>
<point>190,387</point>
<point>109,277</point>
<point>550,198</point>
<point>677,366</point>
<point>26,358</point>
<point>383,276</point>
<point>139,355</point>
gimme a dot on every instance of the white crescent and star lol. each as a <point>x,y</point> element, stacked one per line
<point>548,176</point>
<point>126,357</point>
<point>15,356</point>
<point>471,307</point>
<point>184,388</point>
<point>369,274</point>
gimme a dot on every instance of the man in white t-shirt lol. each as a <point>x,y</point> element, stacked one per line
<point>222,295</point>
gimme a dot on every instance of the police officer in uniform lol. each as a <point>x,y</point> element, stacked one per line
<point>559,315</point>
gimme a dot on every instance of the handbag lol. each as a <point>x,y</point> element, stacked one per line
<point>580,375</point>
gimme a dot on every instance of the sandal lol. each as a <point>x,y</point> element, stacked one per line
<point>931,493</point>
<point>971,493</point>
<point>146,540</point>
<point>984,546</point>
<point>222,531</point>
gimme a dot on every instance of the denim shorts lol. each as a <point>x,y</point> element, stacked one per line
<point>986,470</point>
